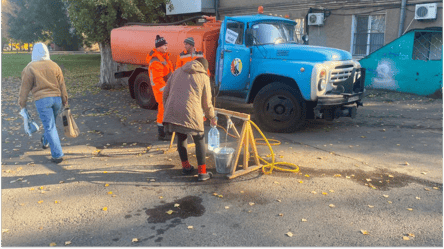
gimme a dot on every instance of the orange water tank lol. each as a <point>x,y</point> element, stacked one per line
<point>131,44</point>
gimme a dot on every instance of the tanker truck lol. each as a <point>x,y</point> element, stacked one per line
<point>255,59</point>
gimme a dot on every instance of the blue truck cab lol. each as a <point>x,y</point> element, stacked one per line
<point>260,61</point>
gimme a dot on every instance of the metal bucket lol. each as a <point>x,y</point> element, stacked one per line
<point>223,158</point>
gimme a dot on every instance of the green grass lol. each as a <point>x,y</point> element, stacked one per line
<point>81,71</point>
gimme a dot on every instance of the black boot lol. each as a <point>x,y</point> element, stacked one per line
<point>161,134</point>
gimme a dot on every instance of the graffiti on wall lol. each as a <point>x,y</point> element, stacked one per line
<point>385,78</point>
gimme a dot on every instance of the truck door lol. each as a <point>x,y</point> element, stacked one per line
<point>233,58</point>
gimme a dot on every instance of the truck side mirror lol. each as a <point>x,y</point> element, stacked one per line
<point>249,38</point>
<point>305,39</point>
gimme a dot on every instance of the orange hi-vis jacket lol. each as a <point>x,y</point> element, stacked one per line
<point>160,69</point>
<point>184,57</point>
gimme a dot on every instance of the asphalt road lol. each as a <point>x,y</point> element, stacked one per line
<point>371,181</point>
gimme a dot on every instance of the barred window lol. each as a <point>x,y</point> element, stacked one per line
<point>427,46</point>
<point>368,34</point>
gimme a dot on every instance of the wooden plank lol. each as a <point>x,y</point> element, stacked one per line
<point>233,113</point>
<point>246,145</point>
<point>243,171</point>
<point>239,147</point>
<point>253,146</point>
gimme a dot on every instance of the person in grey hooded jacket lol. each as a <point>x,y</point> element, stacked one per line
<point>187,96</point>
<point>44,79</point>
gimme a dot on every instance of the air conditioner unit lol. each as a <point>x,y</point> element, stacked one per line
<point>316,19</point>
<point>426,11</point>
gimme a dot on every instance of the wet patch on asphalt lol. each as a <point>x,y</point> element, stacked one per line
<point>378,179</point>
<point>188,206</point>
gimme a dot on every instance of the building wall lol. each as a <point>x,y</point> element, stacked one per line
<point>337,30</point>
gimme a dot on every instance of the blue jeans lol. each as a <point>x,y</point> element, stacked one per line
<point>48,109</point>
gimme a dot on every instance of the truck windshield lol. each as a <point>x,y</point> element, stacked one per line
<point>273,33</point>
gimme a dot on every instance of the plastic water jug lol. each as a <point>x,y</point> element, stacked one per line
<point>213,138</point>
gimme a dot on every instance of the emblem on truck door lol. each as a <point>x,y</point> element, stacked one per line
<point>236,67</point>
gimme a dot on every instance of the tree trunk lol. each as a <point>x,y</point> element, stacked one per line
<point>108,67</point>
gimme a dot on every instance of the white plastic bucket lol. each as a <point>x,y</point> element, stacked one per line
<point>223,158</point>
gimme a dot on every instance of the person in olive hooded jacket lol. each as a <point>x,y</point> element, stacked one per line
<point>187,96</point>
<point>44,79</point>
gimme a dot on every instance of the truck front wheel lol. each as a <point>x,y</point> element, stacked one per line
<point>144,92</point>
<point>279,108</point>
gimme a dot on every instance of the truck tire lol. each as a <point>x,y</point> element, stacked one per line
<point>143,91</point>
<point>279,108</point>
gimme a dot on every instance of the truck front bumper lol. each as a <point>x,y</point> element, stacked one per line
<point>335,105</point>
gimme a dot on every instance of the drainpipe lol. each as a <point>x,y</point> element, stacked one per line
<point>216,7</point>
<point>402,18</point>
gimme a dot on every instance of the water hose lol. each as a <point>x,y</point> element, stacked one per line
<point>272,164</point>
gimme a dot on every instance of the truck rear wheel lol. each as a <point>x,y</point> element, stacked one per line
<point>279,108</point>
<point>144,92</point>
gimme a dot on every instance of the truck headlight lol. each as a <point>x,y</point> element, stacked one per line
<point>322,84</point>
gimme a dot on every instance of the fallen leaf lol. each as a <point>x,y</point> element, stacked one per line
<point>106,185</point>
<point>169,212</point>
<point>424,173</point>
<point>41,187</point>
<point>160,197</point>
<point>281,214</point>
<point>405,238</point>
<point>57,202</point>
<point>390,176</point>
<point>306,175</point>
<point>227,207</point>
<point>406,163</point>
<point>134,240</point>
<point>5,230</point>
<point>435,188</point>
<point>410,209</point>
<point>52,244</point>
<point>324,193</point>
<point>105,209</point>
<point>278,200</point>
<point>301,181</point>
<point>276,182</point>
<point>411,235</point>
<point>251,203</point>
<point>417,197</point>
<point>368,180</point>
<point>104,172</point>
<point>241,191</point>
<point>152,180</point>
<point>370,206</point>
<point>337,175</point>
<point>190,227</point>
<point>303,220</point>
<point>331,191</point>
<point>386,196</point>
<point>220,196</point>
<point>313,192</point>
<point>40,202</point>
<point>289,234</point>
<point>426,189</point>
<point>176,205</point>
<point>362,136</point>
<point>31,189</point>
<point>365,232</point>
<point>67,243</point>
<point>110,192</point>
<point>389,202</point>
<point>215,194</point>
<point>332,205</point>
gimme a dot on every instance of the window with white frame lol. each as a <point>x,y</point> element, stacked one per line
<point>300,28</point>
<point>368,34</point>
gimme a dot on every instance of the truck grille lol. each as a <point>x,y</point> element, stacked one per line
<point>341,73</point>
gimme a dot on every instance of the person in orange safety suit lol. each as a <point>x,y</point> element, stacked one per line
<point>189,54</point>
<point>160,69</point>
